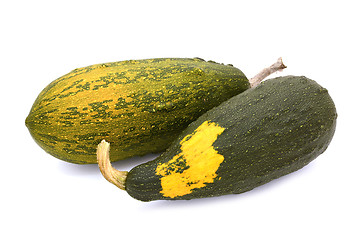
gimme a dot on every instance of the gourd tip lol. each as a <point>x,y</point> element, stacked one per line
<point>280,64</point>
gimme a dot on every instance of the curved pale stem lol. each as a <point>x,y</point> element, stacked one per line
<point>256,80</point>
<point>114,176</point>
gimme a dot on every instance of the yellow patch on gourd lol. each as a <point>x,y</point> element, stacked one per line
<point>195,165</point>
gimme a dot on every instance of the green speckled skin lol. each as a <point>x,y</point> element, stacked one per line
<point>270,131</point>
<point>139,106</point>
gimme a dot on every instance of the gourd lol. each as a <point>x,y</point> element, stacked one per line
<point>262,134</point>
<point>139,106</point>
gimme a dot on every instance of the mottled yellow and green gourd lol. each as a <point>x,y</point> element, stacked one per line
<point>139,106</point>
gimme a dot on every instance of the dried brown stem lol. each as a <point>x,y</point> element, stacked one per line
<point>114,176</point>
<point>256,80</point>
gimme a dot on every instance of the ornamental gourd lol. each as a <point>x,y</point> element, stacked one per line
<point>139,106</point>
<point>262,134</point>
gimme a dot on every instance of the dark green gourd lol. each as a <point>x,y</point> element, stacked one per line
<point>255,137</point>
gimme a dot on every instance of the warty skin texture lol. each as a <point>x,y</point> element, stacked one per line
<point>269,131</point>
<point>139,106</point>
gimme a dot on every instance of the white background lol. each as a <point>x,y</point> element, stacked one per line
<point>45,198</point>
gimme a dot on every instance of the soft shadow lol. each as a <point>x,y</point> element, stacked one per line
<point>240,198</point>
<point>93,169</point>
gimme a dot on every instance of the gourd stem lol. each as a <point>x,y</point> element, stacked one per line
<point>256,80</point>
<point>114,176</point>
